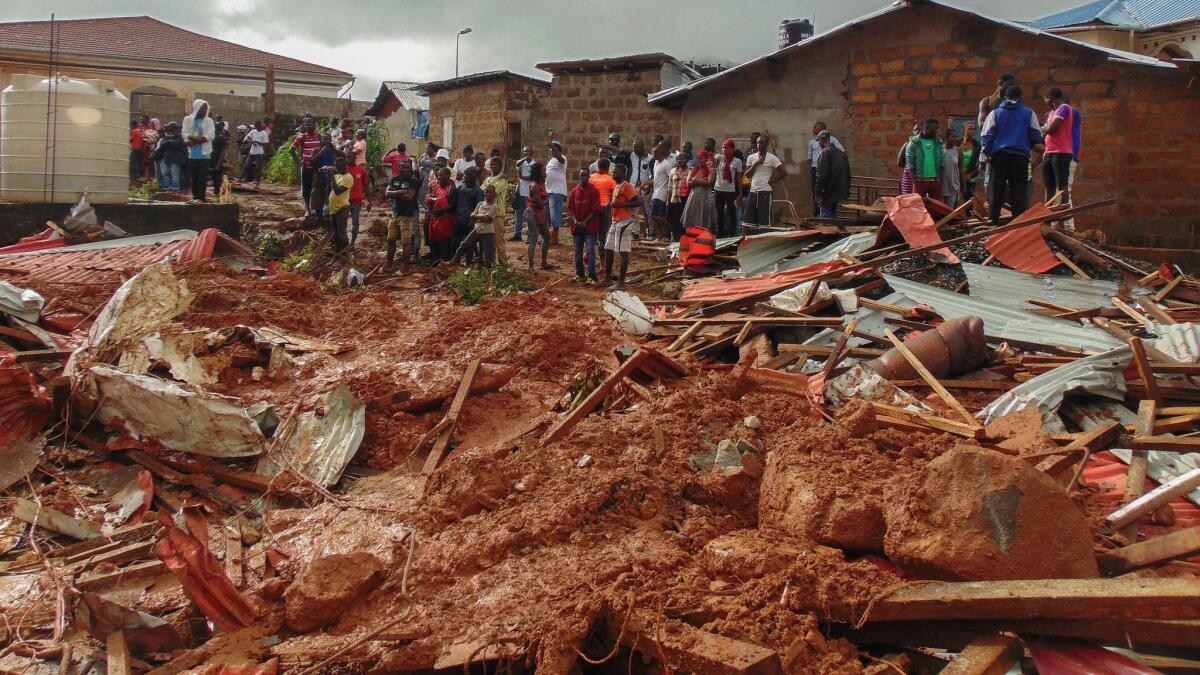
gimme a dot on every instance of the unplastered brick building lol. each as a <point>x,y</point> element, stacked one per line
<point>590,99</point>
<point>872,78</point>
<point>497,109</point>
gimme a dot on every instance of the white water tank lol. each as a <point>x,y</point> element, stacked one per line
<point>90,138</point>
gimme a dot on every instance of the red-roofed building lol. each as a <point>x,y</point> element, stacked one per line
<point>162,67</point>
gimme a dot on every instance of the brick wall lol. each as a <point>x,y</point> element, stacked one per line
<point>483,112</point>
<point>585,109</point>
<point>871,83</point>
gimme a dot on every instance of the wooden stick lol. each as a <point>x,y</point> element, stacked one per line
<point>951,216</point>
<point>1072,266</point>
<point>594,399</point>
<point>930,379</point>
<point>927,420</point>
<point>1151,501</point>
<point>987,655</point>
<point>960,384</point>
<point>1135,478</point>
<point>443,439</point>
<point>687,335</point>
<point>1129,311</point>
<point>1174,545</point>
<point>1144,371</point>
<point>836,354</point>
<point>743,333</point>
<point>1169,288</point>
<point>1156,312</point>
<point>1166,443</point>
<point>118,653</point>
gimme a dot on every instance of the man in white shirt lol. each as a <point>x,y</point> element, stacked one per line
<point>257,138</point>
<point>524,173</point>
<point>764,170</point>
<point>556,187</point>
<point>814,153</point>
<point>463,163</point>
<point>725,189</point>
<point>640,177</point>
<point>661,192</point>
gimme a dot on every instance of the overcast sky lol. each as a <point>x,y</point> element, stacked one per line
<point>414,40</point>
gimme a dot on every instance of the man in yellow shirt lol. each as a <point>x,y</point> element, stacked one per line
<point>339,201</point>
<point>498,182</point>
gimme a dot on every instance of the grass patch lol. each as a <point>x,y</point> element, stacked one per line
<point>473,285</point>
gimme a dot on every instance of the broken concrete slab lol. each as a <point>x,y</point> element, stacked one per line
<point>328,586</point>
<point>975,514</point>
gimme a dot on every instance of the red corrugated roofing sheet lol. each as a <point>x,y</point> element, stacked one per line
<point>144,37</point>
<point>731,289</point>
<point>908,215</point>
<point>92,265</point>
<point>1024,248</point>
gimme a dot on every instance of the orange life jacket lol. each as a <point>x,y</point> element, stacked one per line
<point>696,247</point>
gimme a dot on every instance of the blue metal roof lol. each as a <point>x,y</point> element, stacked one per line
<point>1123,13</point>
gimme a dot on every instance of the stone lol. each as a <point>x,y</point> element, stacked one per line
<point>975,514</point>
<point>328,586</point>
<point>752,422</point>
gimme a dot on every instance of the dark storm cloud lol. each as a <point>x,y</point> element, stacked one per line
<point>505,35</point>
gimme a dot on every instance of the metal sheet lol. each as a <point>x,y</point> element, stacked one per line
<point>1010,288</point>
<point>1005,322</point>
<point>1100,374</point>
<point>851,245</point>
<point>760,252</point>
<point>1024,248</point>
<point>870,320</point>
<point>20,302</point>
<point>319,443</point>
<point>1089,413</point>
<point>1180,341</point>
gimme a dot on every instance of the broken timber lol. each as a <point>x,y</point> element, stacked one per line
<point>443,438</point>
<point>932,381</point>
<point>987,655</point>
<point>1153,500</point>
<point>1166,547</point>
<point>691,650</point>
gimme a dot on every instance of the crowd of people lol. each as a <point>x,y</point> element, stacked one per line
<point>180,156</point>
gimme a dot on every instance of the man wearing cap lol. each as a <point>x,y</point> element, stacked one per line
<point>618,154</point>
<point>814,152</point>
<point>832,176</point>
<point>556,187</point>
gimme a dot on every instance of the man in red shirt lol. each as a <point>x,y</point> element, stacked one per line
<point>584,206</point>
<point>360,193</point>
<point>135,150</point>
<point>307,142</point>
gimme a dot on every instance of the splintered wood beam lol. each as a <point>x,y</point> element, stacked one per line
<point>1144,371</point>
<point>1064,457</point>
<point>1169,288</point>
<point>687,335</point>
<point>1156,498</point>
<point>593,400</point>
<point>835,355</point>
<point>931,422</point>
<point>1128,597</point>
<point>1135,478</point>
<point>1159,549</point>
<point>687,649</point>
<point>1166,425</point>
<point>930,379</point>
<point>987,655</point>
<point>1129,311</point>
<point>1072,266</point>
<point>1155,312</point>
<point>443,439</point>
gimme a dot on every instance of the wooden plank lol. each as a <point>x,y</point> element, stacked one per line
<point>1166,425</point>
<point>233,553</point>
<point>1064,457</point>
<point>1129,311</point>
<point>1072,266</point>
<point>988,385</point>
<point>1155,499</point>
<point>1175,368</point>
<point>116,556</point>
<point>1138,634</point>
<point>991,654</point>
<point>1135,477</point>
<point>688,649</point>
<point>594,399</point>
<point>952,215</point>
<point>687,335</point>
<point>121,534</point>
<point>927,420</point>
<point>443,439</point>
<point>1166,443</point>
<point>55,521</point>
<point>1169,288</point>
<point>930,379</point>
<point>101,580</point>
<point>1155,312</point>
<point>835,355</point>
<point>1143,367</point>
<point>118,654</point>
<point>743,334</point>
<point>817,350</point>
<point>1132,597</point>
<point>1172,410</point>
<point>1166,547</point>
<point>822,321</point>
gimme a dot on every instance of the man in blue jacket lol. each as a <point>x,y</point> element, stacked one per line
<point>1010,133</point>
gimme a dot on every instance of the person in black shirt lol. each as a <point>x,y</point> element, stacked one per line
<point>469,195</point>
<point>402,191</point>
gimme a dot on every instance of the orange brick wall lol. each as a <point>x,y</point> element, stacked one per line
<point>482,112</point>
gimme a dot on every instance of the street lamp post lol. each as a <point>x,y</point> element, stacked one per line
<point>456,38</point>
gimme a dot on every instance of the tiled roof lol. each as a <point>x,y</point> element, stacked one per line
<point>144,37</point>
<point>1122,13</point>
<point>109,262</point>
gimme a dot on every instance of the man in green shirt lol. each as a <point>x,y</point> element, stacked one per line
<point>924,159</point>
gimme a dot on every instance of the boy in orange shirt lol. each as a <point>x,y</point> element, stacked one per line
<point>605,185</point>
<point>619,238</point>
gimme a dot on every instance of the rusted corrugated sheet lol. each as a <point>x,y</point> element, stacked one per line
<point>110,261</point>
<point>1024,248</point>
<point>730,289</point>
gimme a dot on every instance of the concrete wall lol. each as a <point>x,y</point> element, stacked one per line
<point>870,86</point>
<point>584,109</point>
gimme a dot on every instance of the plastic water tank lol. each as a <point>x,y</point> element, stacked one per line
<point>90,140</point>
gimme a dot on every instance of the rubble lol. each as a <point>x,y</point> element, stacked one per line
<point>813,465</point>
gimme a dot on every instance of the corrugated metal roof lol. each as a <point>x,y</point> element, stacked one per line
<point>476,79</point>
<point>1100,374</point>
<point>760,252</point>
<point>106,262</point>
<point>870,320</point>
<point>1005,322</point>
<point>407,95</point>
<point>1180,341</point>
<point>615,64</point>
<point>1010,288</point>
<point>1123,13</point>
<point>682,90</point>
